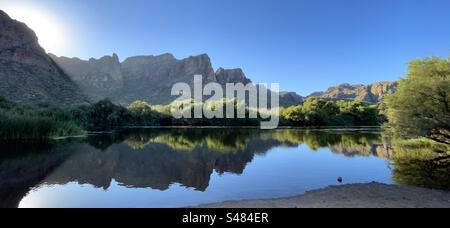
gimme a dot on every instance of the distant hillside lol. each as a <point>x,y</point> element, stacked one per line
<point>27,73</point>
<point>373,93</point>
<point>290,99</point>
<point>148,78</point>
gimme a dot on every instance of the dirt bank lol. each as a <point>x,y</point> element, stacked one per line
<point>373,195</point>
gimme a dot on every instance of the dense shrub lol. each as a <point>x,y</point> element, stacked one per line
<point>318,112</point>
<point>14,126</point>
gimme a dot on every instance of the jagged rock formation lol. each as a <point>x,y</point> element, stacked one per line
<point>27,73</point>
<point>149,78</point>
<point>231,76</point>
<point>373,93</point>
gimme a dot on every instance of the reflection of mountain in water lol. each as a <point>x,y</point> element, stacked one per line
<point>159,158</point>
<point>381,150</point>
<point>28,167</point>
<point>156,166</point>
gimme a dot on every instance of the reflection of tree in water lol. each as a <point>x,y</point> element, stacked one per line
<point>422,163</point>
<point>346,143</point>
<point>365,145</point>
<point>103,141</point>
<point>217,140</point>
<point>157,159</point>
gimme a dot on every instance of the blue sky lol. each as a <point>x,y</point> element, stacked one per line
<point>305,45</point>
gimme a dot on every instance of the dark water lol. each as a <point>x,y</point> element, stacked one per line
<point>185,167</point>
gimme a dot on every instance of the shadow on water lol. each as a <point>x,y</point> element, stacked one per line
<point>158,158</point>
<point>24,166</point>
<point>422,163</point>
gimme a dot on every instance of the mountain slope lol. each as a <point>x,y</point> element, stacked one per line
<point>373,93</point>
<point>27,73</point>
<point>288,99</point>
<point>98,78</point>
<point>151,77</point>
<point>148,78</point>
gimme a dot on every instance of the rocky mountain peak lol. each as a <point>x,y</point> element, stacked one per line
<point>107,58</point>
<point>14,33</point>
<point>202,60</point>
<point>167,57</point>
<point>4,16</point>
<point>115,57</point>
<point>373,93</point>
<point>24,62</point>
<point>20,44</point>
<point>231,76</point>
<point>200,64</point>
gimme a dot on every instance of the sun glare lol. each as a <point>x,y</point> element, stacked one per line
<point>51,34</point>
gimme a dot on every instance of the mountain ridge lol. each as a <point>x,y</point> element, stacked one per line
<point>24,62</point>
<point>150,77</point>
<point>371,93</point>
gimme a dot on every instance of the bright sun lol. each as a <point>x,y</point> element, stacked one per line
<point>51,34</point>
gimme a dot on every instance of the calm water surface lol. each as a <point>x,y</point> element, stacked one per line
<point>186,167</point>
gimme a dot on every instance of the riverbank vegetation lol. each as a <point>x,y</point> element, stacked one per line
<point>28,123</point>
<point>20,121</point>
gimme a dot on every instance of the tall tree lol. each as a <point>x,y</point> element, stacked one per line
<point>421,106</point>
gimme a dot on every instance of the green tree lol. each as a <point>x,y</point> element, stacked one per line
<point>293,114</point>
<point>421,105</point>
<point>105,115</point>
<point>314,112</point>
<point>140,108</point>
<point>361,113</point>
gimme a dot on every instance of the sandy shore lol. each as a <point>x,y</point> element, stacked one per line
<point>373,195</point>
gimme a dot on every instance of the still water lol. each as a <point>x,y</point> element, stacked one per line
<point>187,167</point>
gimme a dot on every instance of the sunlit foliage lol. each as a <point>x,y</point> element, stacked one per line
<point>422,102</point>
